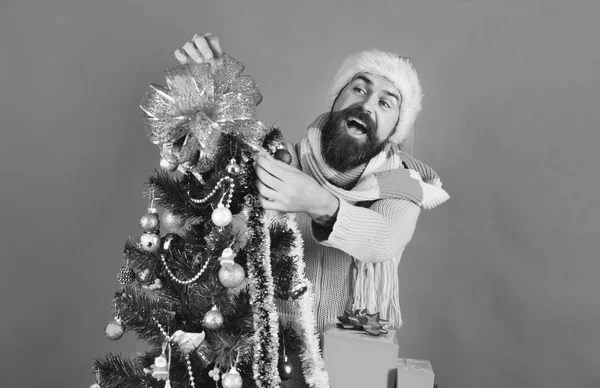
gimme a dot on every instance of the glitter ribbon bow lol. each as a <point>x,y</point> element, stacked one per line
<point>361,320</point>
<point>200,102</point>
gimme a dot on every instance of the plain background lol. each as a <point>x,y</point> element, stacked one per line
<point>499,286</point>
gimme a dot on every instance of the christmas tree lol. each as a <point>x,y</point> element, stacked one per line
<point>202,295</point>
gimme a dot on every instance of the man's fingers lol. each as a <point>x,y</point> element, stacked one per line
<point>270,165</point>
<point>203,47</point>
<point>266,178</point>
<point>190,49</point>
<point>266,191</point>
<point>213,43</point>
<point>181,57</point>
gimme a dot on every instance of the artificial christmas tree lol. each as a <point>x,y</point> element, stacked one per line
<point>203,294</point>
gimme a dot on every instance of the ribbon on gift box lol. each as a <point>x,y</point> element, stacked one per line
<point>362,320</point>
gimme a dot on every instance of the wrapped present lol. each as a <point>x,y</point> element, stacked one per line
<point>358,359</point>
<point>414,374</point>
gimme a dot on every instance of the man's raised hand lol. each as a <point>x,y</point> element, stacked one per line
<point>199,49</point>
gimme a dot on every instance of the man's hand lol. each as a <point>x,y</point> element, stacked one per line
<point>286,189</point>
<point>200,49</point>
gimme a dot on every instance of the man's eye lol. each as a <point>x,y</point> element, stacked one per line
<point>385,104</point>
<point>359,90</point>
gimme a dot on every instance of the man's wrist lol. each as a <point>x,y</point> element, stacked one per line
<point>327,214</point>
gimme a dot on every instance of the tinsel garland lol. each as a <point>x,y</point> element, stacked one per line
<point>266,326</point>
<point>313,365</point>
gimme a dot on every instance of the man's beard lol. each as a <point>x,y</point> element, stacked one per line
<point>341,150</point>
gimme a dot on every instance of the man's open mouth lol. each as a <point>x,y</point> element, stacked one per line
<point>356,126</point>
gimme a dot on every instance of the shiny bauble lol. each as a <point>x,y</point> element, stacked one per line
<point>150,242</point>
<point>213,319</point>
<point>286,370</point>
<point>232,379</point>
<point>95,385</point>
<point>168,166</point>
<point>283,155</point>
<point>221,216</point>
<point>149,222</point>
<point>114,329</point>
<point>125,275</point>
<point>233,168</point>
<point>172,221</point>
<point>231,275</point>
<point>172,242</point>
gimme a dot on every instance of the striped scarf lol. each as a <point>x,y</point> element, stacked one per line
<point>390,174</point>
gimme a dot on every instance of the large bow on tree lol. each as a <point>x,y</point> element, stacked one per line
<point>200,102</point>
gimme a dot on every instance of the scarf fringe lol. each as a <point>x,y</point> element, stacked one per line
<point>377,290</point>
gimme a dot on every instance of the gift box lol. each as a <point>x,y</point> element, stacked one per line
<point>357,359</point>
<point>414,374</point>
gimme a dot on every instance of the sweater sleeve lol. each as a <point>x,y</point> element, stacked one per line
<point>372,234</point>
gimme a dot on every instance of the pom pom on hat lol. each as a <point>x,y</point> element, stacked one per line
<point>399,71</point>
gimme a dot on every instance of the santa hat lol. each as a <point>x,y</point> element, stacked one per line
<point>399,71</point>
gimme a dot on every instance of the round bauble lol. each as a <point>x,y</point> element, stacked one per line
<point>213,319</point>
<point>172,241</point>
<point>149,222</point>
<point>231,275</point>
<point>233,168</point>
<point>232,379</point>
<point>125,275</point>
<point>221,216</point>
<point>286,369</point>
<point>114,329</point>
<point>283,155</point>
<point>150,242</point>
<point>168,166</point>
<point>172,221</point>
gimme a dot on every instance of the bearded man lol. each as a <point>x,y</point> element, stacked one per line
<point>357,195</point>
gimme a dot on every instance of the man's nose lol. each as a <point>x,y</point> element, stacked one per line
<point>368,105</point>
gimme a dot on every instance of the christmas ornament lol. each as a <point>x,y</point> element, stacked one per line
<point>206,354</point>
<point>213,319</point>
<point>221,216</point>
<point>361,320</point>
<point>95,385</point>
<point>215,374</point>
<point>187,342</point>
<point>157,285</point>
<point>149,221</point>
<point>227,256</point>
<point>285,369</point>
<point>150,242</point>
<point>144,275</point>
<point>167,165</point>
<point>114,329</point>
<point>231,275</point>
<point>232,379</point>
<point>160,369</point>
<point>172,221</point>
<point>125,275</point>
<point>233,168</point>
<point>283,155</point>
<point>202,101</point>
<point>172,241</point>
